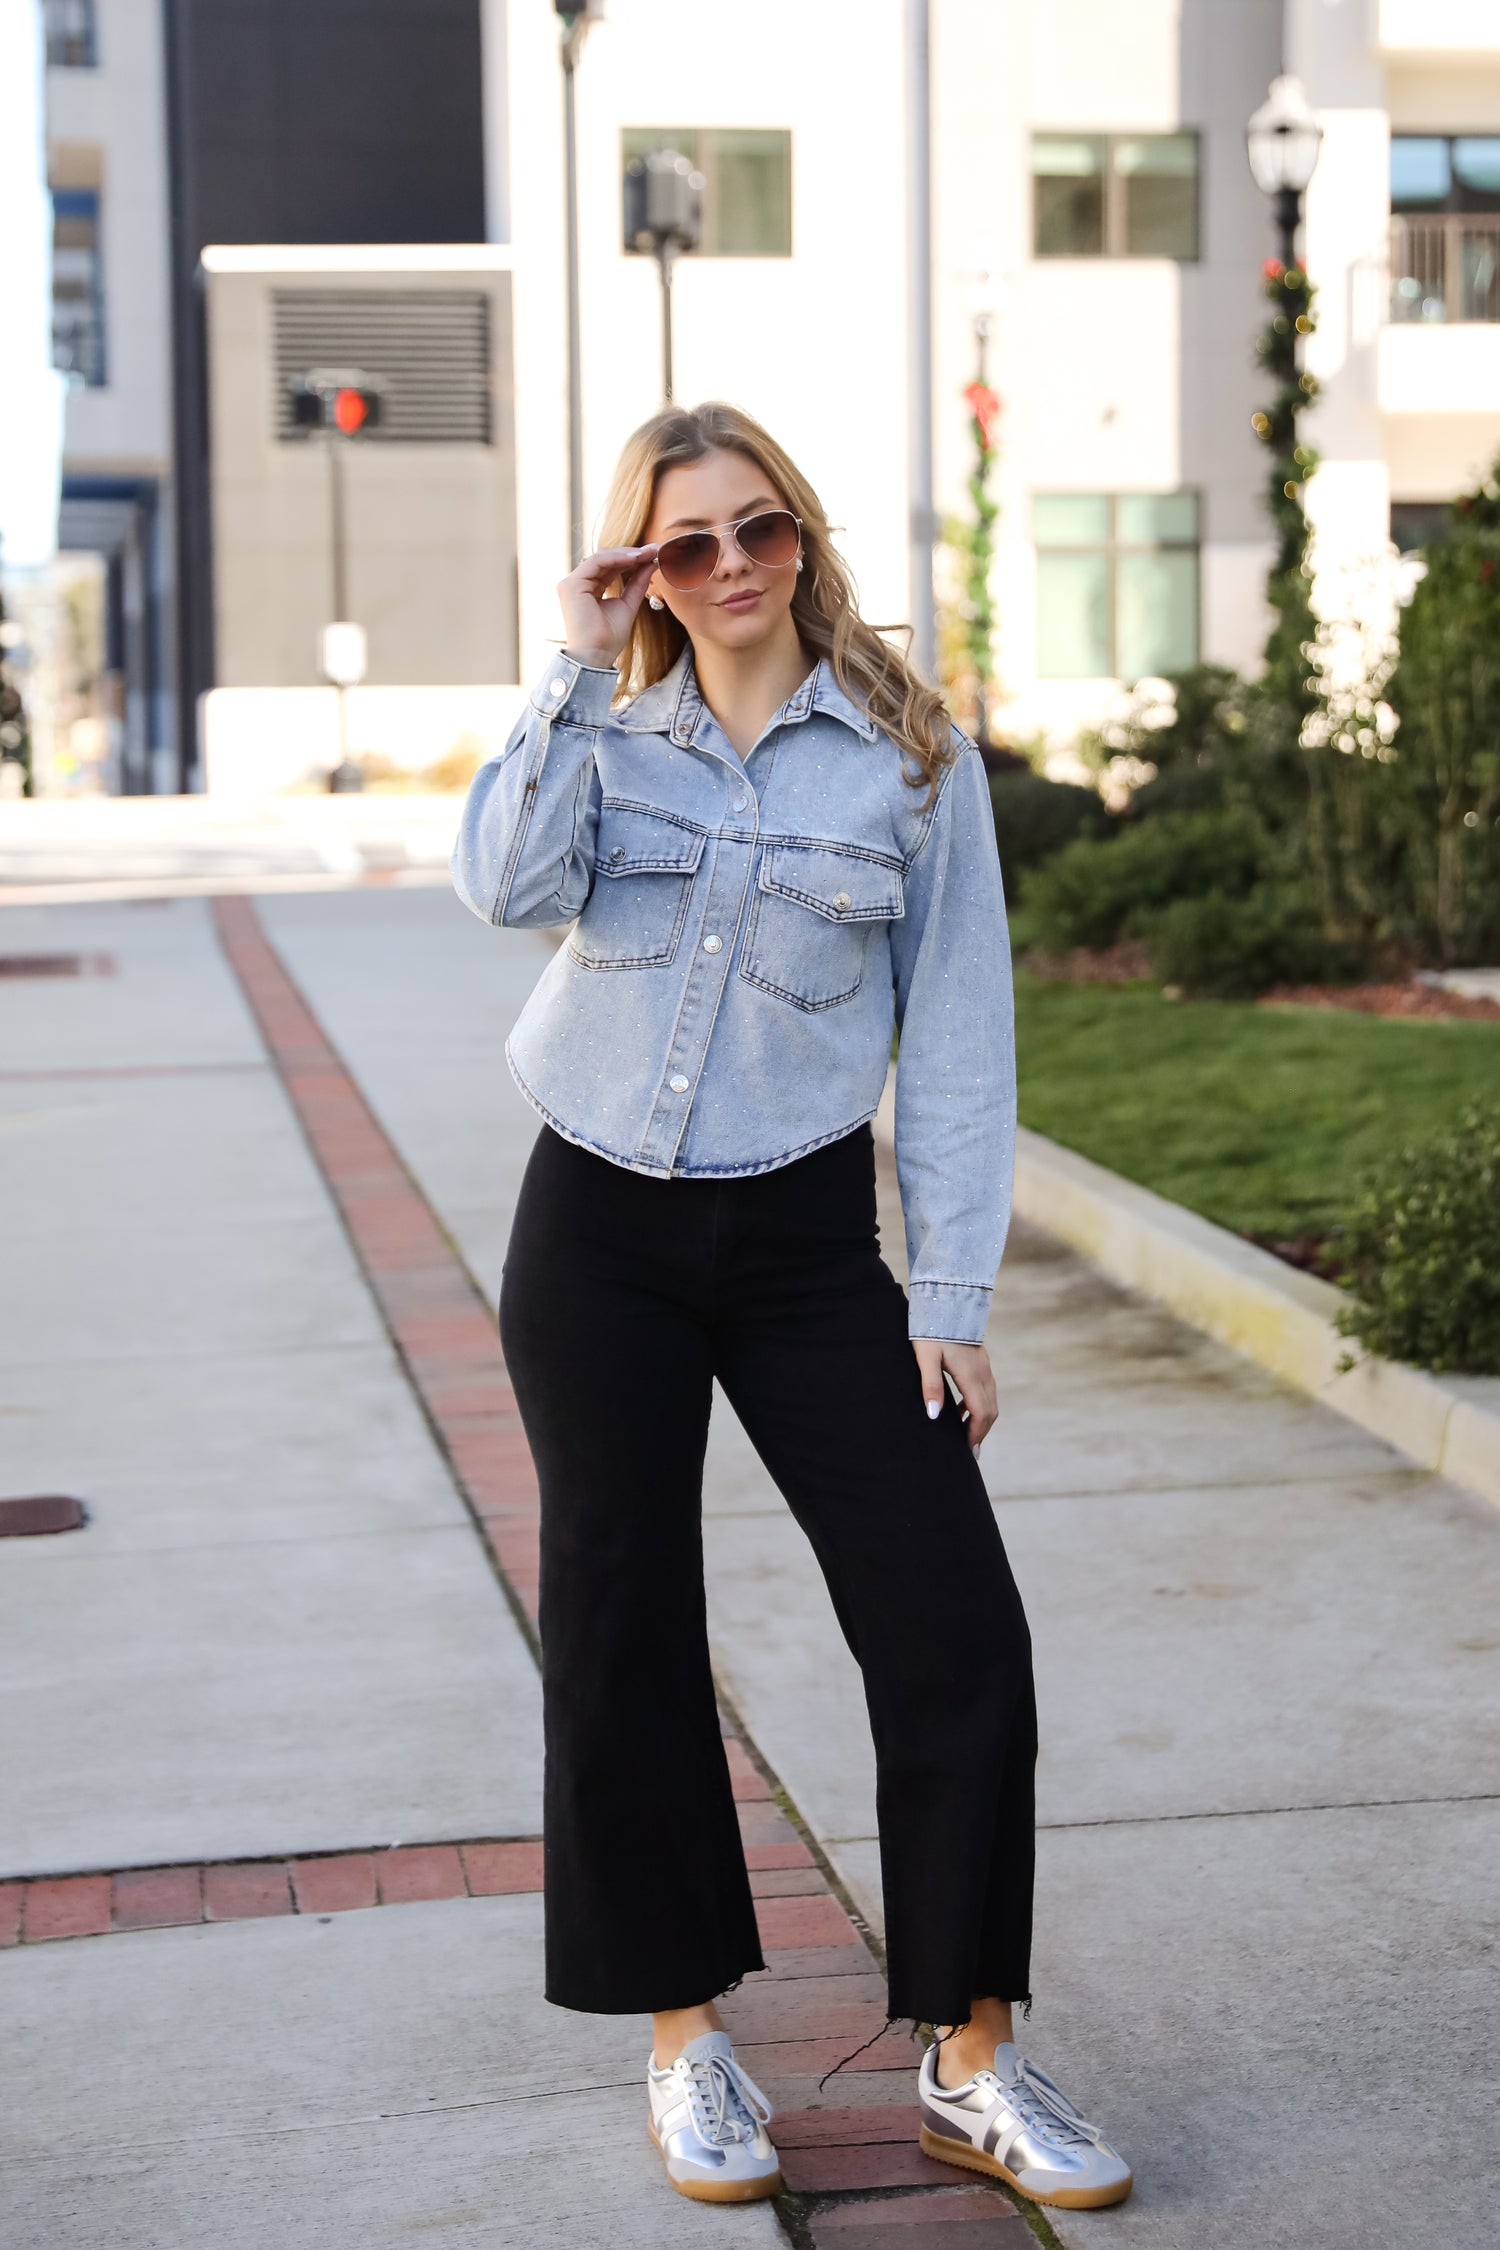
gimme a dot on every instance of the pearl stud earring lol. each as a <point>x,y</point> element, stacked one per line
<point>654,601</point>
<point>799,562</point>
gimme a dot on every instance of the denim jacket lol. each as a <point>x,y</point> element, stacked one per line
<point>748,935</point>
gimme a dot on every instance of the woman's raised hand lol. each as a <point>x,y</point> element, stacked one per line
<point>598,623</point>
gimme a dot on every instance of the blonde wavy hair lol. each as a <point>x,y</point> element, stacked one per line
<point>824,606</point>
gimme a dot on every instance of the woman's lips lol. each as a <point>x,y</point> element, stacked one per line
<point>745,600</point>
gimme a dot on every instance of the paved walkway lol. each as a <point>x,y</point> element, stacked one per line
<point>1267,1659</point>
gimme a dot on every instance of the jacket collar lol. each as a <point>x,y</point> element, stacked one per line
<point>672,705</point>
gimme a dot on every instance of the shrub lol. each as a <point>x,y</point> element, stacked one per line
<point>1094,892</point>
<point>1035,818</point>
<point>1443,785</point>
<point>1422,1250</point>
<point>1227,948</point>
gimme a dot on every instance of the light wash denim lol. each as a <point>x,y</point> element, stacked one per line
<point>748,936</point>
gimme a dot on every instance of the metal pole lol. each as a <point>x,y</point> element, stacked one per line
<point>572,40</point>
<point>336,526</point>
<point>1288,212</point>
<point>664,259</point>
<point>339,557</point>
<point>919,337</point>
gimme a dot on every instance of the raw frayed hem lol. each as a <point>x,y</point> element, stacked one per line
<point>917,2028</point>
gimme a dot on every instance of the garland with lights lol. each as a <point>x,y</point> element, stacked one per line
<point>1289,672</point>
<point>979,603</point>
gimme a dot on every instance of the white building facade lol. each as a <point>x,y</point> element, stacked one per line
<point>1088,156</point>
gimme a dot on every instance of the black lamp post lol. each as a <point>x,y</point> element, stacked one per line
<point>663,218</point>
<point>1282,140</point>
<point>576,16</point>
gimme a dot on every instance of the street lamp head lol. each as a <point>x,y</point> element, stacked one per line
<point>1283,139</point>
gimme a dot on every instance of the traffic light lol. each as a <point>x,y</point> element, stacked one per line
<point>663,204</point>
<point>345,399</point>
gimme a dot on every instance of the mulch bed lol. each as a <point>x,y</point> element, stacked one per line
<point>1128,961</point>
<point>1413,998</point>
<point>1317,1254</point>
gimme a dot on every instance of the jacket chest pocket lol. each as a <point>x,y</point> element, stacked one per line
<point>811,919</point>
<point>643,878</point>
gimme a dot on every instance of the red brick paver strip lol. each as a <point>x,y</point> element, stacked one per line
<point>793,1853</point>
<point>846,2128</point>
<point>810,2171</point>
<point>244,1890</point>
<point>749,1783</point>
<point>157,1898</point>
<point>804,1921</point>
<point>154,1898</point>
<point>493,1869</point>
<point>963,2219</point>
<point>787,1882</point>
<point>417,1871</point>
<point>338,1885</point>
<point>66,1906</point>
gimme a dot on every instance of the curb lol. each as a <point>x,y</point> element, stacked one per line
<point>1280,1318</point>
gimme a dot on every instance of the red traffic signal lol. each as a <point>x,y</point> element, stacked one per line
<point>351,410</point>
<point>345,399</point>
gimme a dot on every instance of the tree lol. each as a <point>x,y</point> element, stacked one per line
<point>1444,781</point>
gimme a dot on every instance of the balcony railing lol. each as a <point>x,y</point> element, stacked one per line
<point>1446,268</point>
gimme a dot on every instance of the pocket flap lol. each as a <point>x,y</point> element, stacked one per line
<point>635,841</point>
<point>838,884</point>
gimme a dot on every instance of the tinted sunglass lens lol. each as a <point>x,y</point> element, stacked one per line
<point>769,539</point>
<point>689,560</point>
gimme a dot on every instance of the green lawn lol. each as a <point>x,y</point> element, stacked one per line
<point>1261,1118</point>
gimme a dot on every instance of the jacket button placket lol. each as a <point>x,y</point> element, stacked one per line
<point>715,928</point>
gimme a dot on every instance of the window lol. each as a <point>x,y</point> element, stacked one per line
<point>77,285</point>
<point>1445,172</point>
<point>72,35</point>
<point>1115,195</point>
<point>747,184</point>
<point>1117,584</point>
<point>1445,226</point>
<point>1418,523</point>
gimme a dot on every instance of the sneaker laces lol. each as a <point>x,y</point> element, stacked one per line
<point>1045,2109</point>
<point>725,2102</point>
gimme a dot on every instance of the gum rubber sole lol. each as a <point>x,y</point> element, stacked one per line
<point>714,2191</point>
<point>971,2159</point>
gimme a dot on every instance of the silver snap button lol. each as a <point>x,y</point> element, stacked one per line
<point>713,945</point>
<point>558,686</point>
<point>841,899</point>
<point>618,852</point>
<point>678,1085</point>
<point>740,803</point>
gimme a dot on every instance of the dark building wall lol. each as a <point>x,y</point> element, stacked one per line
<point>303,121</point>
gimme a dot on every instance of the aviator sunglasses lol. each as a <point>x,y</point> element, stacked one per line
<point>772,538</point>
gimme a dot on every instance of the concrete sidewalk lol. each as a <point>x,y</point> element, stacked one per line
<point>1266,1654</point>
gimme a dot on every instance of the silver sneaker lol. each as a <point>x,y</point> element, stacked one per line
<point>1014,2123</point>
<point>709,2119</point>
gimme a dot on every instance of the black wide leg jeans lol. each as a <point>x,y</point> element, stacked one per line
<point>623,1298</point>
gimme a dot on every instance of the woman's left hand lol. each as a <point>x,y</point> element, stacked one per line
<point>973,1379</point>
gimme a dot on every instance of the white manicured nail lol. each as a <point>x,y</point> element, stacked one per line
<point>934,1409</point>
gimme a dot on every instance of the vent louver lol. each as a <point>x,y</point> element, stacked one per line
<point>429,348</point>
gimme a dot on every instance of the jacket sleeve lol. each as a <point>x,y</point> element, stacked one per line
<point>525,850</point>
<point>956,1065</point>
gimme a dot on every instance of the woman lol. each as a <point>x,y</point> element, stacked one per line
<point>777,852</point>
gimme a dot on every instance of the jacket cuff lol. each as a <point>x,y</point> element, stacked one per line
<point>578,695</point>
<point>950,1312</point>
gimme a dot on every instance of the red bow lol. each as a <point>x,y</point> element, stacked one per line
<point>984,405</point>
